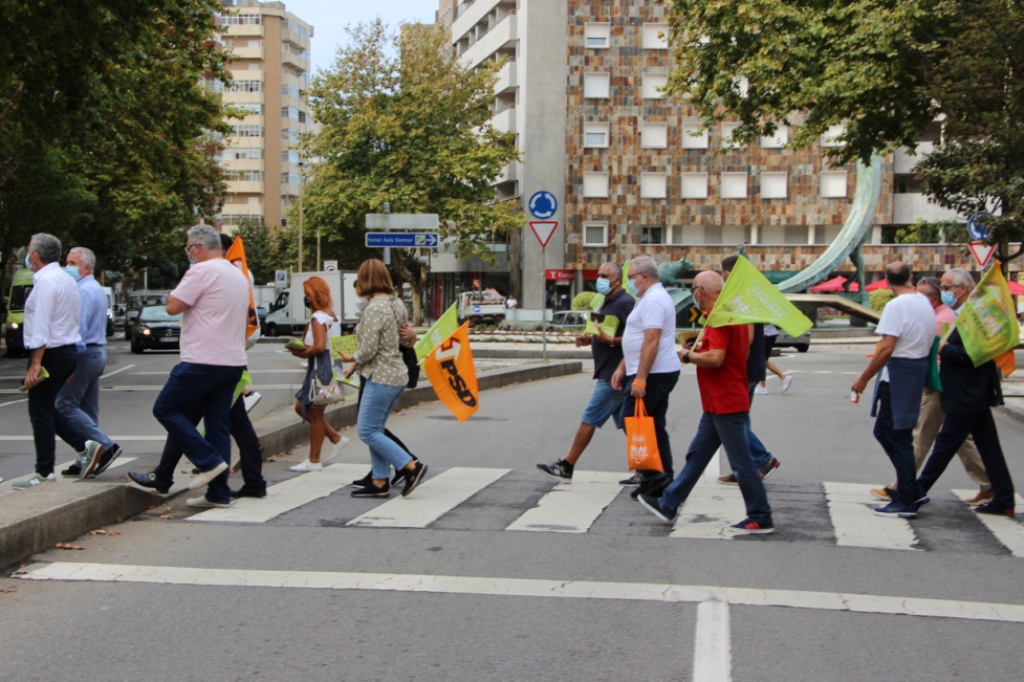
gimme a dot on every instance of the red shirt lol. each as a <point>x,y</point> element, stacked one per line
<point>724,390</point>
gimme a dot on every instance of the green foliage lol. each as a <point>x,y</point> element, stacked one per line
<point>924,232</point>
<point>258,247</point>
<point>879,297</point>
<point>582,300</point>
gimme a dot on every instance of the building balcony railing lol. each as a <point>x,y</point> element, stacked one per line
<point>247,53</point>
<point>245,187</point>
<point>505,121</point>
<point>503,35</point>
<point>246,30</point>
<point>469,15</point>
<point>506,79</point>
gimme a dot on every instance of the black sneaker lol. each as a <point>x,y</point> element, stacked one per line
<point>753,527</point>
<point>652,505</point>
<point>148,480</point>
<point>896,510</point>
<point>370,490</point>
<point>769,467</point>
<point>107,458</point>
<point>249,491</point>
<point>73,471</point>
<point>994,509</point>
<point>636,479</point>
<point>364,481</point>
<point>400,475</point>
<point>560,470</point>
<point>414,477</point>
<point>652,487</point>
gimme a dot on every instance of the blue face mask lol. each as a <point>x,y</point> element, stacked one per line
<point>603,286</point>
<point>27,263</point>
<point>73,271</point>
<point>631,287</point>
<point>948,297</point>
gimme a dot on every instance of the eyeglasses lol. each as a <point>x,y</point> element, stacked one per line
<point>698,288</point>
<point>950,287</point>
<point>188,249</point>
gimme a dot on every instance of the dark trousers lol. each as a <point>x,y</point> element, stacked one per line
<point>47,423</point>
<point>952,435</point>
<point>250,453</point>
<point>899,446</point>
<point>659,386</point>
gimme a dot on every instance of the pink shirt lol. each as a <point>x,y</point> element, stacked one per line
<point>213,326</point>
<point>944,315</point>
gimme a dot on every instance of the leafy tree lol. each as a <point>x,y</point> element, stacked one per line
<point>925,232</point>
<point>582,300</point>
<point>413,131</point>
<point>879,297</point>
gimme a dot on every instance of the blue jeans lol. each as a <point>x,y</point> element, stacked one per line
<point>605,402</point>
<point>757,449</point>
<point>659,386</point>
<point>209,388</point>
<point>714,431</point>
<point>79,400</point>
<point>374,409</point>
<point>899,446</point>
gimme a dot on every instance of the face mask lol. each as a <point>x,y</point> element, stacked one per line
<point>361,304</point>
<point>948,297</point>
<point>631,287</point>
<point>28,264</point>
<point>603,285</point>
<point>73,271</point>
<point>308,303</point>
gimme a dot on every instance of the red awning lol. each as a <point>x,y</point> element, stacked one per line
<point>1015,289</point>
<point>880,284</point>
<point>833,285</point>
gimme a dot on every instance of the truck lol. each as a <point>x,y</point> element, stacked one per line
<point>487,307</point>
<point>288,316</point>
<point>21,287</point>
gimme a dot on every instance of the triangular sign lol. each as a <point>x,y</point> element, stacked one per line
<point>982,252</point>
<point>543,230</point>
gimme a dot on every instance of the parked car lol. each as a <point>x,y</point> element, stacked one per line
<point>801,343</point>
<point>154,328</point>
<point>570,319</point>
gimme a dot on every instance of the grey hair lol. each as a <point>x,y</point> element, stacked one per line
<point>615,267</point>
<point>644,265</point>
<point>88,257</point>
<point>961,277</point>
<point>206,237</point>
<point>46,246</point>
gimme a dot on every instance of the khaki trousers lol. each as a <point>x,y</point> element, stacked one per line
<point>928,425</point>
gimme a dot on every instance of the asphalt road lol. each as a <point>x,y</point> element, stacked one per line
<point>325,590</point>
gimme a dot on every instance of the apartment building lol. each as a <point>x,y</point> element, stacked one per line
<point>270,70</point>
<point>631,169</point>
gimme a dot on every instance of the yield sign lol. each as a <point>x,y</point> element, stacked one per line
<point>543,230</point>
<point>982,252</point>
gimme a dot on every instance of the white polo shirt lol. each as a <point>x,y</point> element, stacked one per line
<point>653,310</point>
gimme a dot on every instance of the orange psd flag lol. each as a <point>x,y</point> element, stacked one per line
<point>236,255</point>
<point>452,374</point>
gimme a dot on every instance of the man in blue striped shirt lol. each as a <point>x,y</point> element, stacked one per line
<point>79,399</point>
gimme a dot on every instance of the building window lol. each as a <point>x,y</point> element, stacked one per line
<point>833,184</point>
<point>247,131</point>
<point>734,186</point>
<point>906,183</point>
<point>240,19</point>
<point>694,137</point>
<point>655,36</point>
<point>595,185</point>
<point>294,114</point>
<point>652,235</point>
<point>243,175</point>
<point>728,128</point>
<point>303,32</point>
<point>596,85</point>
<point>291,91</point>
<point>246,86</point>
<point>695,185</point>
<point>654,135</point>
<point>653,85</point>
<point>290,134</point>
<point>778,140</point>
<point>595,234</point>
<point>774,185</point>
<point>233,219</point>
<point>653,186</point>
<point>243,154</point>
<point>290,179</point>
<point>597,36</point>
<point>249,108</point>
<point>595,135</point>
<point>290,156</point>
<point>831,137</point>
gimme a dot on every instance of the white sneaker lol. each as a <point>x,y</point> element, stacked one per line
<point>307,466</point>
<point>204,477</point>
<point>33,480</point>
<point>760,390</point>
<point>786,382</point>
<point>251,400</point>
<point>335,450</point>
<point>203,503</point>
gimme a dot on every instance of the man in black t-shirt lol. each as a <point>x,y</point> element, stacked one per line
<point>605,401</point>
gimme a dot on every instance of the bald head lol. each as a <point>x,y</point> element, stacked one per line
<point>707,286</point>
<point>898,275</point>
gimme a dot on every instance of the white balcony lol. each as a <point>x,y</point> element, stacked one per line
<point>505,122</point>
<point>471,16</point>
<point>245,187</point>
<point>506,79</point>
<point>501,36</point>
<point>290,190</point>
<point>248,30</point>
<point>243,164</point>
<point>903,161</point>
<point>242,209</point>
<point>246,75</point>
<point>247,53</point>
<point>294,60</point>
<point>909,208</point>
<point>243,97</point>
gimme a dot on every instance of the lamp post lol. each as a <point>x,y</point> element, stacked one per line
<point>301,175</point>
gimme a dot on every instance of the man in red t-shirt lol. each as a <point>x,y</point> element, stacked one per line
<point>722,379</point>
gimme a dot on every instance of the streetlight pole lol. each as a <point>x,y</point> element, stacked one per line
<point>301,176</point>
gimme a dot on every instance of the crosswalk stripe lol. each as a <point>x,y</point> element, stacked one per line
<point>855,523</point>
<point>712,658</point>
<point>286,495</point>
<point>433,498</point>
<point>1007,530</point>
<point>708,512</point>
<point>572,508</point>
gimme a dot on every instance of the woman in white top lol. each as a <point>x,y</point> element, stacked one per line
<point>771,333</point>
<point>323,325</point>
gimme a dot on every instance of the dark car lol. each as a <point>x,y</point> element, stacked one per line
<point>154,328</point>
<point>137,300</point>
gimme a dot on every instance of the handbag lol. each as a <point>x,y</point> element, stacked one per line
<point>321,393</point>
<point>642,441</point>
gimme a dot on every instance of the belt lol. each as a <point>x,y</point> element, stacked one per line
<point>94,345</point>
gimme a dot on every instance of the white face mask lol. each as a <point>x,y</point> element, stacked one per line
<point>361,304</point>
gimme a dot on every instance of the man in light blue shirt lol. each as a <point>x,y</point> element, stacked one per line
<point>79,399</point>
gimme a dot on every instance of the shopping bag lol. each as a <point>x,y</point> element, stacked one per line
<point>641,441</point>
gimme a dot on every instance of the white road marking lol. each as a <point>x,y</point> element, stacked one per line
<point>113,438</point>
<point>116,371</point>
<point>287,495</point>
<point>159,387</point>
<point>14,402</point>
<point>708,512</point>
<point>851,508</point>
<point>712,658</point>
<point>1008,531</point>
<point>251,371</point>
<point>432,499</point>
<point>524,587</point>
<point>572,508</point>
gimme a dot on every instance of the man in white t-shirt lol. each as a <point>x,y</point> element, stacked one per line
<point>214,299</point>
<point>650,366</point>
<point>907,329</point>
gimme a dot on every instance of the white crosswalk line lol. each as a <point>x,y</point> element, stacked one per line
<point>286,495</point>
<point>572,508</point>
<point>851,508</point>
<point>712,657</point>
<point>708,512</point>
<point>433,498</point>
<point>1008,531</point>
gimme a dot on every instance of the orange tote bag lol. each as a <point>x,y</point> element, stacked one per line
<point>641,441</point>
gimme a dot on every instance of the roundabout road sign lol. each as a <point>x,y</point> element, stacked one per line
<point>543,205</point>
<point>977,230</point>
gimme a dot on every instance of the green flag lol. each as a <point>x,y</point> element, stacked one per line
<point>987,321</point>
<point>445,326</point>
<point>748,297</point>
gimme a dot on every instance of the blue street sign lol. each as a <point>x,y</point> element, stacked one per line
<point>477,309</point>
<point>977,231</point>
<point>402,240</point>
<point>543,205</point>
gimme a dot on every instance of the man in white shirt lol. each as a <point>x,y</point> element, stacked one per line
<point>907,329</point>
<point>51,336</point>
<point>650,366</point>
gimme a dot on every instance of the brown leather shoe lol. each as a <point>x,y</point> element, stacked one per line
<point>982,497</point>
